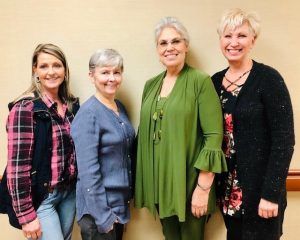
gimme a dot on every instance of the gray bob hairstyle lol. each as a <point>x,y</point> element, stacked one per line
<point>171,22</point>
<point>104,58</point>
<point>235,17</point>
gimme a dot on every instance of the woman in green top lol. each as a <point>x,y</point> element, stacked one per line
<point>179,140</point>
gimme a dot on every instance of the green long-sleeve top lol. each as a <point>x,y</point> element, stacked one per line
<point>191,133</point>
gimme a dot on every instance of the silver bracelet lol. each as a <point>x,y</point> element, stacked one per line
<point>202,188</point>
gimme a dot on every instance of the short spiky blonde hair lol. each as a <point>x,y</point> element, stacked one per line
<point>235,17</point>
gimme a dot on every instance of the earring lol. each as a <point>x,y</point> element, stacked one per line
<point>37,79</point>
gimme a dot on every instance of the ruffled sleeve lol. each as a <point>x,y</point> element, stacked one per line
<point>211,160</point>
<point>211,157</point>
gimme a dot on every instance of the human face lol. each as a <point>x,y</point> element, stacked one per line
<point>107,80</point>
<point>171,48</point>
<point>236,43</point>
<point>50,72</point>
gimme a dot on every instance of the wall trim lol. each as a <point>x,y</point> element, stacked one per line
<point>293,180</point>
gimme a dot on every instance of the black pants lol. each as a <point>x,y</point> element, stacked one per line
<point>234,227</point>
<point>89,231</point>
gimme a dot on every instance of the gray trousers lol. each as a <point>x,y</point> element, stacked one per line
<point>89,231</point>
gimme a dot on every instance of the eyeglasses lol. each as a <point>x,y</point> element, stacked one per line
<point>175,42</point>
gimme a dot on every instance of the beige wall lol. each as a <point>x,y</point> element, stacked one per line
<point>80,27</point>
<point>144,227</point>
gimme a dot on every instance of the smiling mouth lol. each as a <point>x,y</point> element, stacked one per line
<point>51,79</point>
<point>234,50</point>
<point>171,55</point>
<point>111,85</point>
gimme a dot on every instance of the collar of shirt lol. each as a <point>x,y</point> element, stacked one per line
<point>52,104</point>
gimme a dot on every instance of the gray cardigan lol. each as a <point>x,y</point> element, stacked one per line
<point>103,144</point>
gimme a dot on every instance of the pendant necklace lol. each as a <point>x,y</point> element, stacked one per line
<point>157,117</point>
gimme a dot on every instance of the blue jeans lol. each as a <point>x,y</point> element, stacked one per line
<point>56,215</point>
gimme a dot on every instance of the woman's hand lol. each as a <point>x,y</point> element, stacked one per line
<point>201,193</point>
<point>199,202</point>
<point>32,230</point>
<point>112,227</point>
<point>267,209</point>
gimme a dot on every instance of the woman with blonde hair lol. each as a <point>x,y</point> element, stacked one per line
<point>41,169</point>
<point>259,134</point>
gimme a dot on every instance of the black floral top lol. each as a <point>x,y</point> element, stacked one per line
<point>231,199</point>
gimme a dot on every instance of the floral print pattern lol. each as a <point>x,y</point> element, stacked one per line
<point>233,195</point>
<point>228,136</point>
<point>231,199</point>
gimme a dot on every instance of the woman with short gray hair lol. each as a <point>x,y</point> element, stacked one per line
<point>103,138</point>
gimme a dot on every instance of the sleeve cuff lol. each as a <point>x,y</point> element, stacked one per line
<point>211,161</point>
<point>27,218</point>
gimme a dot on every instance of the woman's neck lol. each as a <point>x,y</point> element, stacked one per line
<point>173,72</point>
<point>242,66</point>
<point>53,95</point>
<point>105,99</point>
<point>109,102</point>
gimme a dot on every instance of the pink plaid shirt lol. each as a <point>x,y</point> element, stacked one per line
<point>20,130</point>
